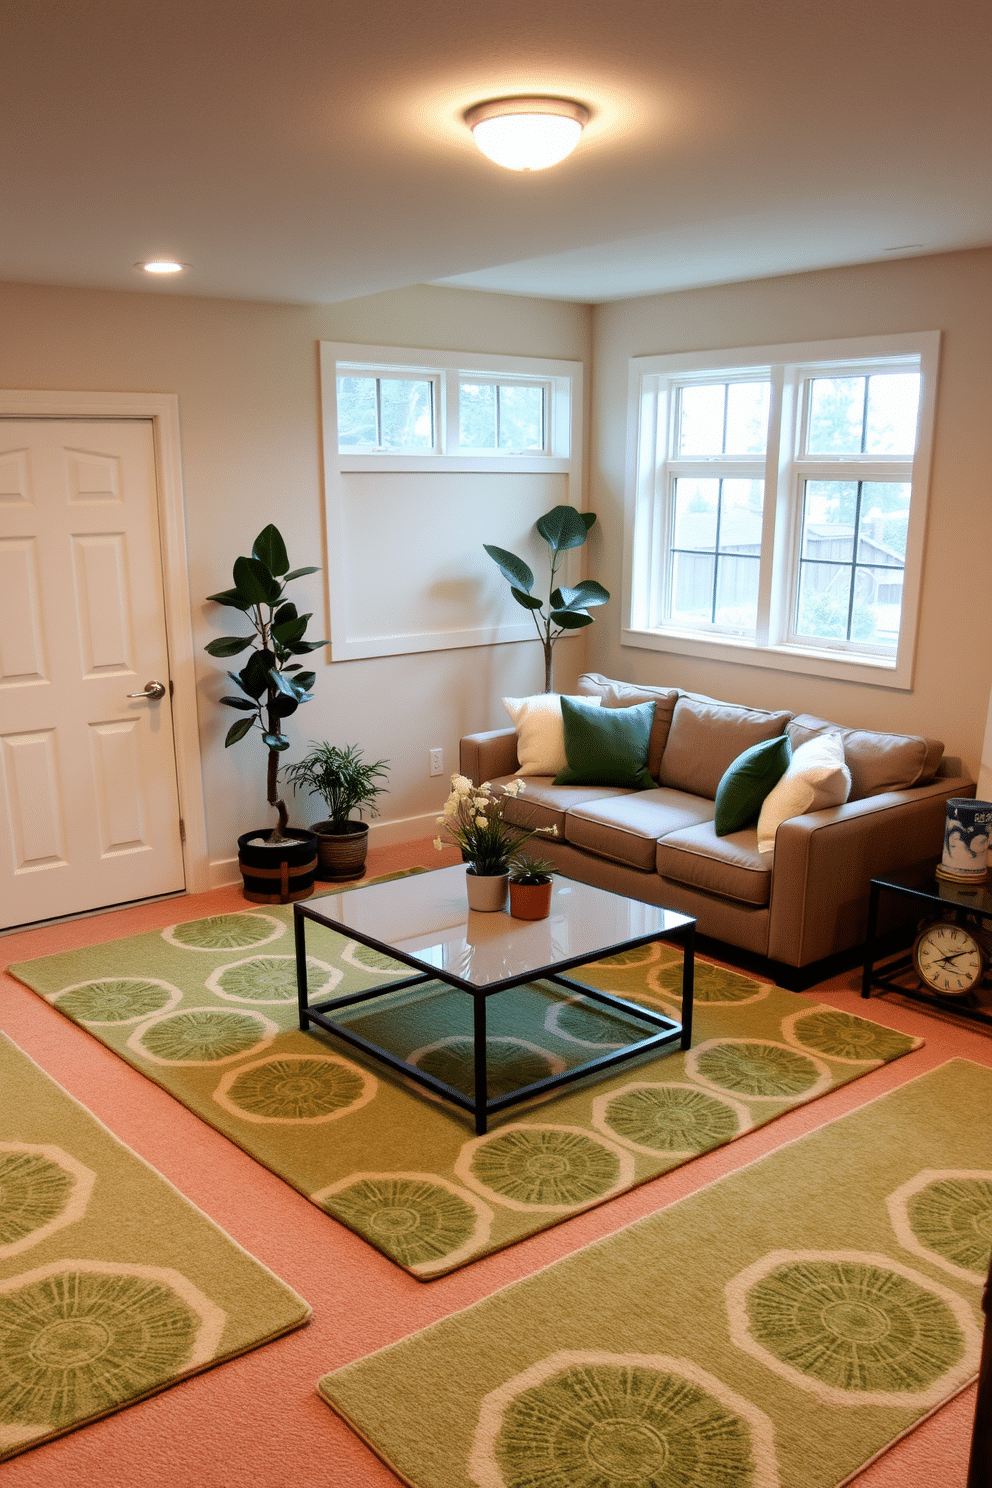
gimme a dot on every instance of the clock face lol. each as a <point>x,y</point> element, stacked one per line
<point>948,959</point>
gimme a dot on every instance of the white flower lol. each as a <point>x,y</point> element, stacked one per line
<point>461,785</point>
<point>514,788</point>
<point>450,808</point>
<point>482,821</point>
<point>438,844</point>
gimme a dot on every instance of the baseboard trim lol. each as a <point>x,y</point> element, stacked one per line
<point>225,871</point>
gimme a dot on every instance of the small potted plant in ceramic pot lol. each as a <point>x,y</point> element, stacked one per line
<point>473,819</point>
<point>530,887</point>
<point>346,784</point>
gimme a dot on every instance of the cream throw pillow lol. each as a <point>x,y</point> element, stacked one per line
<point>817,776</point>
<point>540,731</point>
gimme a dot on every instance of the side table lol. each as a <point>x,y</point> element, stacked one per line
<point>935,898</point>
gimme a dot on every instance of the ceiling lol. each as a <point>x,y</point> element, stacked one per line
<point>313,150</point>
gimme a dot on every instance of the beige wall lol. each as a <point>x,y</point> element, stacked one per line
<point>951,293</point>
<point>246,376</point>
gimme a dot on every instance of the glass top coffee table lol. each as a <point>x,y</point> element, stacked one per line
<point>424,922</point>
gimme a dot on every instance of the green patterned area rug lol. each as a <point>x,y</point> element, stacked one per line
<point>778,1329</point>
<point>208,1010</point>
<point>113,1286</point>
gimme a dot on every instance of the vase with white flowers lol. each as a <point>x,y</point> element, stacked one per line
<point>473,819</point>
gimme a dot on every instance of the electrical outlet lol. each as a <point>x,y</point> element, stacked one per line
<point>436,758</point>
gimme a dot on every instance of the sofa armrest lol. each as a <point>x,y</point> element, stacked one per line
<point>487,756</point>
<point>825,861</point>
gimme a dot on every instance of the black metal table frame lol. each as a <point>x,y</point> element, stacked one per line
<point>885,979</point>
<point>481,1107</point>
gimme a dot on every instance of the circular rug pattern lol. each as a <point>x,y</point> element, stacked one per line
<point>846,1037</point>
<point>203,1035</point>
<point>853,1327</point>
<point>945,1215</point>
<point>116,1000</point>
<point>367,959</point>
<point>295,1089</point>
<point>644,955</point>
<point>677,1120</point>
<point>710,984</point>
<point>417,1219</point>
<point>270,980</point>
<point>511,1063</point>
<point>590,1420</point>
<point>42,1189</point>
<point>227,932</point>
<point>544,1167</point>
<point>757,1069</point>
<point>580,1020</point>
<point>79,1337</point>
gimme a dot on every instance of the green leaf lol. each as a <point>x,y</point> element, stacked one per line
<point>276,741</point>
<point>287,611</point>
<point>301,648</point>
<point>513,569</point>
<point>571,619</point>
<point>270,549</point>
<point>588,592</point>
<point>237,731</point>
<point>232,597</point>
<point>305,680</point>
<point>290,630</point>
<point>282,705</point>
<point>529,601</point>
<point>589,518</point>
<point>245,704</point>
<point>228,645</point>
<point>281,683</point>
<point>255,581</point>
<point>298,573</point>
<point>254,675</point>
<point>562,527</point>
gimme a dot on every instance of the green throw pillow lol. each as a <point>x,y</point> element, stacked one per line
<point>745,784</point>
<point>606,746</point>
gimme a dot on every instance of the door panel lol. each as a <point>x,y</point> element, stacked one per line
<point>89,814</point>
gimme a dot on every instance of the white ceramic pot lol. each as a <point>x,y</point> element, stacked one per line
<point>486,891</point>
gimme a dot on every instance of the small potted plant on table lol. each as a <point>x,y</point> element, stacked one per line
<point>530,887</point>
<point>345,783</point>
<point>473,818</point>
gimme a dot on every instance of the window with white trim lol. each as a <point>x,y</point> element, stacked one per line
<point>778,504</point>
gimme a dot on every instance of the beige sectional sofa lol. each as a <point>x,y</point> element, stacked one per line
<point>796,906</point>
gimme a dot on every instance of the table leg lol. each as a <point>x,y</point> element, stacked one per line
<point>870,941</point>
<point>688,969</point>
<point>481,1083</point>
<point>299,930</point>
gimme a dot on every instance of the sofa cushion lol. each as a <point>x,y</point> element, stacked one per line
<point>545,805</point>
<point>745,784</point>
<point>817,777</point>
<point>877,762</point>
<point>606,746</point>
<point>626,828</point>
<point>627,695</point>
<point>729,866</point>
<point>706,736</point>
<point>540,735</point>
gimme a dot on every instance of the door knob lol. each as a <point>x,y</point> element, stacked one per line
<point>152,690</point>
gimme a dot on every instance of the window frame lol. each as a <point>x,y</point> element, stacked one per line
<point>653,386</point>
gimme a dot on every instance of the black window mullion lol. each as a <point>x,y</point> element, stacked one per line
<point>716,544</point>
<point>378,413</point>
<point>857,545</point>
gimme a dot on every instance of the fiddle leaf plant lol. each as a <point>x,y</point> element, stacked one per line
<point>567,608</point>
<point>272,683</point>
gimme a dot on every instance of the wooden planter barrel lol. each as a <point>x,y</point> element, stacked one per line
<point>281,874</point>
<point>342,854</point>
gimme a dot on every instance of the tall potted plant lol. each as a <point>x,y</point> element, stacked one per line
<point>567,609</point>
<point>278,863</point>
<point>346,784</point>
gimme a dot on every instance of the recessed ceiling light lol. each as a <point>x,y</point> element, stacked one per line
<point>162,266</point>
<point>527,133</point>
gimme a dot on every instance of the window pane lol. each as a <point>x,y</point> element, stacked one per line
<point>696,505</point>
<point>356,413</point>
<point>893,405</point>
<point>747,418</point>
<point>740,516</point>
<point>737,593</point>
<point>521,418</point>
<point>878,605</point>
<point>884,522</point>
<point>692,589</point>
<point>701,411</point>
<point>477,415</point>
<point>824,599</point>
<point>829,513</point>
<point>836,415</point>
<point>407,414</point>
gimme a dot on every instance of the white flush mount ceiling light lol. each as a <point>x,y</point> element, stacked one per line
<point>161,266</point>
<point>527,133</point>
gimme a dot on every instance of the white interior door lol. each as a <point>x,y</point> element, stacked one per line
<point>89,814</point>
